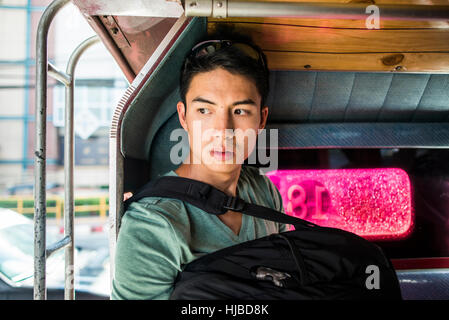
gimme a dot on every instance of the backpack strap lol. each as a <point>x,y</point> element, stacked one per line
<point>210,199</point>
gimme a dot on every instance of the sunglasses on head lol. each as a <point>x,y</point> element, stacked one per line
<point>211,46</point>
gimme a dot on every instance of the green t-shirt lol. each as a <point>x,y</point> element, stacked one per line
<point>158,236</point>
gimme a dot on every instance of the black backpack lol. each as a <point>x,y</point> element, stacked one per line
<point>309,263</point>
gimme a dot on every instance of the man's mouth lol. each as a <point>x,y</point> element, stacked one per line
<point>221,155</point>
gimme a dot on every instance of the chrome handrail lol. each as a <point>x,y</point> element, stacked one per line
<point>43,69</point>
<point>237,8</point>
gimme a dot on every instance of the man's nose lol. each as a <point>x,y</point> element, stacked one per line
<point>224,124</point>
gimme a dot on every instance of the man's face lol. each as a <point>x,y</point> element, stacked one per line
<point>222,120</point>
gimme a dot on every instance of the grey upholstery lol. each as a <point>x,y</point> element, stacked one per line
<point>430,284</point>
<point>304,96</point>
<point>160,149</point>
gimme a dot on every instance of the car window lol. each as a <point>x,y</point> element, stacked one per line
<point>17,251</point>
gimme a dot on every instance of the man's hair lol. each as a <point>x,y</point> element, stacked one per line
<point>232,60</point>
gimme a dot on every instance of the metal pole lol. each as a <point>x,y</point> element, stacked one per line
<point>69,291</point>
<point>40,292</point>
<point>231,8</point>
<point>58,74</point>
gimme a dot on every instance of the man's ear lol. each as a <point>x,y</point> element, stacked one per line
<point>263,117</point>
<point>182,114</point>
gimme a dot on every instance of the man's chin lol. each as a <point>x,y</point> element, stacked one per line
<point>223,167</point>
<point>218,165</point>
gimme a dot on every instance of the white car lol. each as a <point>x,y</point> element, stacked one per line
<point>17,266</point>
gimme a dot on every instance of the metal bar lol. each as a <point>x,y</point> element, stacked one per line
<point>64,242</point>
<point>103,207</point>
<point>116,191</point>
<point>58,74</point>
<point>69,288</point>
<point>231,8</point>
<point>83,46</point>
<point>40,292</point>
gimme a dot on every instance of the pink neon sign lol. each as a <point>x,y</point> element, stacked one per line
<point>372,203</point>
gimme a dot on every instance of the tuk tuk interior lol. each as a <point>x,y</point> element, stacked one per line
<point>341,96</point>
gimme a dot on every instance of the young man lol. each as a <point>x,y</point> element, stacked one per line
<point>223,87</point>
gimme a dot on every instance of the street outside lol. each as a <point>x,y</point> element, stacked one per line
<point>90,232</point>
<point>91,239</point>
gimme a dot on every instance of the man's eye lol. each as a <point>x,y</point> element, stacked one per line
<point>241,111</point>
<point>203,110</point>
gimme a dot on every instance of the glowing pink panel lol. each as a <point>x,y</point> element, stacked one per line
<point>372,203</point>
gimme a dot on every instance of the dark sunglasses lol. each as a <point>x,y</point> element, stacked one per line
<point>211,46</point>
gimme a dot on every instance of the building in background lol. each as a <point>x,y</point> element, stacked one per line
<point>98,87</point>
